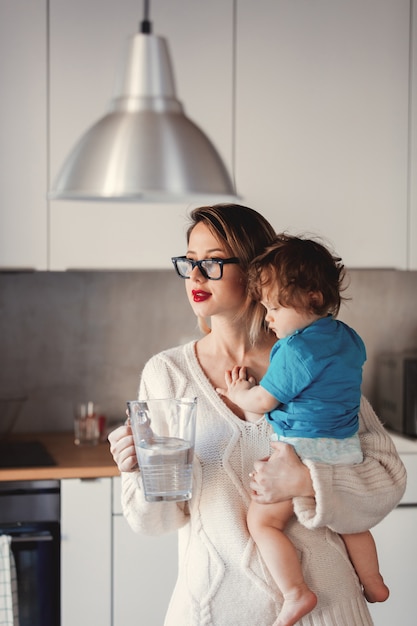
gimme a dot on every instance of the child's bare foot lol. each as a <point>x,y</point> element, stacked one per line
<point>297,603</point>
<point>375,590</point>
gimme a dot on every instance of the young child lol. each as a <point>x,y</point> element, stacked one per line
<point>310,394</point>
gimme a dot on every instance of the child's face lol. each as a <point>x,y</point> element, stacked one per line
<point>284,321</point>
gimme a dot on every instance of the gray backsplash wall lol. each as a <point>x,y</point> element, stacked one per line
<point>78,336</point>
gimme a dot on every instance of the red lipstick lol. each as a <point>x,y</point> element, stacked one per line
<point>199,295</point>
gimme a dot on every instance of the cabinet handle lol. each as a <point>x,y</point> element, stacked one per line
<point>28,538</point>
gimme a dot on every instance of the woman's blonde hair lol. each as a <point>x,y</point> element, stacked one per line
<point>245,234</point>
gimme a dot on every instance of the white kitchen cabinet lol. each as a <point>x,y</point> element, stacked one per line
<point>110,575</point>
<point>86,547</point>
<point>412,225</point>
<point>144,574</point>
<point>322,121</point>
<point>23,133</point>
<point>396,543</point>
<point>313,120</point>
<point>397,549</point>
<point>144,571</point>
<point>85,55</point>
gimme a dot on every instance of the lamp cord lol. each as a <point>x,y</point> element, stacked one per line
<point>146,25</point>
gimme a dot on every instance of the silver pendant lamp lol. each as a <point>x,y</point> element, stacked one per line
<point>145,148</point>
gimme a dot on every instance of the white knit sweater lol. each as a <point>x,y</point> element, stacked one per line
<point>222,580</point>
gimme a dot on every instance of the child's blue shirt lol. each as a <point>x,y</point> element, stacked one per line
<point>316,375</point>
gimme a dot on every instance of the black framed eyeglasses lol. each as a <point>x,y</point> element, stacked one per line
<point>210,268</point>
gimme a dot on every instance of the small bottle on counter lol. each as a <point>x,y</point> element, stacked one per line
<point>86,424</point>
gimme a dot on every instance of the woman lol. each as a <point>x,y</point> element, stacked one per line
<point>222,580</point>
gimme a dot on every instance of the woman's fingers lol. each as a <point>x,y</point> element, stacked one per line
<point>281,477</point>
<point>122,448</point>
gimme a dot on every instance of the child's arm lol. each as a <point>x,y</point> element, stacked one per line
<point>244,392</point>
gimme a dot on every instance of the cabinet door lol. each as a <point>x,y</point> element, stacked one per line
<point>141,565</point>
<point>396,542</point>
<point>23,132</point>
<point>412,230</point>
<point>322,121</point>
<point>85,56</point>
<point>86,537</point>
<point>144,574</point>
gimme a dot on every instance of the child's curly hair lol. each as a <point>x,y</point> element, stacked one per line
<point>302,273</point>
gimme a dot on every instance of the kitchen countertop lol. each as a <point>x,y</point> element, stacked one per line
<point>71,461</point>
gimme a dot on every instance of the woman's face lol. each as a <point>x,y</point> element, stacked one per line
<point>213,297</point>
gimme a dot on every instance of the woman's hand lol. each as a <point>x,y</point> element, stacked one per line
<point>280,477</point>
<point>122,448</point>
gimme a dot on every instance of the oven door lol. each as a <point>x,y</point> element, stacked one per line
<point>30,515</point>
<point>35,548</point>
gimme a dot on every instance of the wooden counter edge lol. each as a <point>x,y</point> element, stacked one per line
<point>71,461</point>
<point>57,473</point>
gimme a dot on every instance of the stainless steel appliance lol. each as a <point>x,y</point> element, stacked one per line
<point>30,514</point>
<point>397,392</point>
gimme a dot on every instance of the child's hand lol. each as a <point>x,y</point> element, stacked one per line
<point>243,391</point>
<point>237,383</point>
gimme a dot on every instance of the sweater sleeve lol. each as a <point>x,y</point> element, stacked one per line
<point>159,380</point>
<point>354,498</point>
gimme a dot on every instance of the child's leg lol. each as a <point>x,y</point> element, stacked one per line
<point>266,523</point>
<point>362,552</point>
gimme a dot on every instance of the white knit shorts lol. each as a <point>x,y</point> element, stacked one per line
<point>325,449</point>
